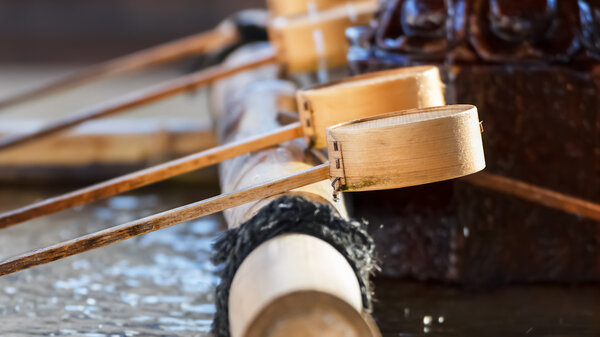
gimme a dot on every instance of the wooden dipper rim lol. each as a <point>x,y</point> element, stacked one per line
<point>367,95</point>
<point>304,43</point>
<point>406,148</point>
<point>299,7</point>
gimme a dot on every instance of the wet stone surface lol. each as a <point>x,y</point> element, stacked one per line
<point>162,284</point>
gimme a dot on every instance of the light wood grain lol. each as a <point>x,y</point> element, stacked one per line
<point>214,39</point>
<point>277,283</point>
<point>406,148</point>
<point>148,176</point>
<point>308,313</point>
<point>162,220</point>
<point>536,194</point>
<point>367,95</point>
<point>137,98</point>
<point>307,42</point>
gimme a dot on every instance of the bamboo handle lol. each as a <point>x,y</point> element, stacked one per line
<point>195,44</point>
<point>536,194</point>
<point>163,220</point>
<point>138,98</point>
<point>150,175</point>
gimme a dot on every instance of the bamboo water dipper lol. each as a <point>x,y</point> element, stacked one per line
<point>320,107</point>
<point>395,150</point>
<point>296,49</point>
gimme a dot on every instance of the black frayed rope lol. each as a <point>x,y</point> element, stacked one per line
<point>286,215</point>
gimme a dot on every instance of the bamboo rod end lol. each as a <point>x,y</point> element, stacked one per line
<point>315,293</point>
<point>310,314</point>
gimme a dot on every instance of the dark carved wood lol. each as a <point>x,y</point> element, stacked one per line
<point>531,67</point>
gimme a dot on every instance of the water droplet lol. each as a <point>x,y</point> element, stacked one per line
<point>10,290</point>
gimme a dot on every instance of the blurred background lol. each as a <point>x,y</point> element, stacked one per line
<point>44,40</point>
<point>72,31</point>
<point>163,283</point>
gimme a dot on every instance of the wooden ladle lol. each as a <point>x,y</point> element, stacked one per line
<point>395,150</point>
<point>320,107</point>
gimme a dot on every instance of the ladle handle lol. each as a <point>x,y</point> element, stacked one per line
<point>137,98</point>
<point>195,44</point>
<point>150,175</point>
<point>163,220</point>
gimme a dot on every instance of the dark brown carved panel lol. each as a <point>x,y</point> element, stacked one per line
<point>531,68</point>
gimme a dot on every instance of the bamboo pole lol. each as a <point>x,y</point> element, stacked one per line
<point>138,98</point>
<point>282,293</point>
<point>217,38</point>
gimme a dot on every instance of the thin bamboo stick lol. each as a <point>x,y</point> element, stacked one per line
<point>150,175</point>
<point>162,220</point>
<point>138,98</point>
<point>536,194</point>
<point>187,46</point>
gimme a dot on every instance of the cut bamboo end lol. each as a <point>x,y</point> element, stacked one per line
<point>406,148</point>
<point>295,297</point>
<point>367,95</point>
<point>300,7</point>
<point>311,42</point>
<point>310,314</point>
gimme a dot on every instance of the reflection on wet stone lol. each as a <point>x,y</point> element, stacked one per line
<point>160,284</point>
